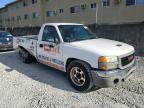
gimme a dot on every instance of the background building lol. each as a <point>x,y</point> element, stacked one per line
<point>30,13</point>
<point>120,20</point>
<point>3,17</point>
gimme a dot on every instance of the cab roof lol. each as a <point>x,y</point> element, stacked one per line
<point>57,24</point>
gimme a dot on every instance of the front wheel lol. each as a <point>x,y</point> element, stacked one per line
<point>79,75</point>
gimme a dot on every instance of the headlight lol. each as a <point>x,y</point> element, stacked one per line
<point>107,63</point>
<point>7,39</point>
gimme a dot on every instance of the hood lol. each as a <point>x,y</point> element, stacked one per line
<point>104,47</point>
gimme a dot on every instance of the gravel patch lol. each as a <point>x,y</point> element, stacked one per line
<point>38,86</point>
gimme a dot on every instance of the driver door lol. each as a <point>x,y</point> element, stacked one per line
<point>49,50</point>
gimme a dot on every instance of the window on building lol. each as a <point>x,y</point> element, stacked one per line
<point>8,20</point>
<point>139,1</point>
<point>134,2</point>
<point>93,5</point>
<point>13,19</point>
<point>130,2</point>
<point>47,0</point>
<point>35,15</point>
<point>18,18</point>
<point>17,6</point>
<point>25,4</point>
<point>106,3</point>
<point>51,13</point>
<point>13,9</point>
<point>26,16</point>
<point>61,10</point>
<point>75,9</point>
<point>34,1</point>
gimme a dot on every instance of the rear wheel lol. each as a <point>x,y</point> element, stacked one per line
<point>79,75</point>
<point>25,56</point>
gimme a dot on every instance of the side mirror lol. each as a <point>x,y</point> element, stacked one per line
<point>85,27</point>
<point>57,41</point>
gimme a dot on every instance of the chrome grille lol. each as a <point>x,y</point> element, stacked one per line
<point>127,60</point>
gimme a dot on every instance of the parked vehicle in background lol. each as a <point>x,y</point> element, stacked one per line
<point>89,61</point>
<point>6,41</point>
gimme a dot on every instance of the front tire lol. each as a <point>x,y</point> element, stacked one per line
<point>79,75</point>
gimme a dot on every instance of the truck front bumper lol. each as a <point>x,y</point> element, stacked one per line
<point>111,78</point>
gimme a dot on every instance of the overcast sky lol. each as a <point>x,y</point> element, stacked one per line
<point>4,2</point>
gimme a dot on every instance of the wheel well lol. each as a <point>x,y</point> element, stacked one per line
<point>22,48</point>
<point>69,61</point>
<point>72,59</point>
<point>27,51</point>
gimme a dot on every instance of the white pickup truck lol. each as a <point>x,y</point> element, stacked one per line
<point>89,61</point>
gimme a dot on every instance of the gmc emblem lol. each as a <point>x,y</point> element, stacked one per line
<point>130,58</point>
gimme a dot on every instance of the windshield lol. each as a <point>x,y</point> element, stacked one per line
<point>4,34</point>
<point>71,33</point>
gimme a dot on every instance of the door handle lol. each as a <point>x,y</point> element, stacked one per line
<point>51,46</point>
<point>41,45</point>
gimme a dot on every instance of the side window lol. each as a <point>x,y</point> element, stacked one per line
<point>50,35</point>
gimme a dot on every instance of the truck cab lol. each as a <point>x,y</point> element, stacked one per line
<point>88,60</point>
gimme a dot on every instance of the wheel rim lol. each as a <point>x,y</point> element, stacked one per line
<point>77,76</point>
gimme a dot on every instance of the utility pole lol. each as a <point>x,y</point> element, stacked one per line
<point>96,19</point>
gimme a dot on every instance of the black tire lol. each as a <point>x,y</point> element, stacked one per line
<point>25,56</point>
<point>80,85</point>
